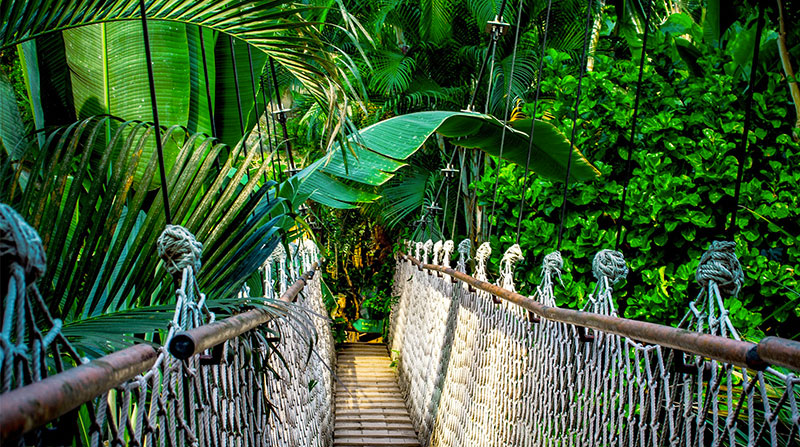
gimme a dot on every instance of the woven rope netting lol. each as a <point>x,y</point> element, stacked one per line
<point>477,372</point>
<point>266,390</point>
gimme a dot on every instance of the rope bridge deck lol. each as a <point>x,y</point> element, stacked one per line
<point>370,410</point>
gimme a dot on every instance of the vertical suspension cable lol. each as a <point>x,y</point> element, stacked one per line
<point>490,81</point>
<point>581,70</point>
<point>208,86</point>
<point>485,61</point>
<point>634,121</point>
<point>152,81</point>
<point>741,151</point>
<point>255,108</point>
<point>208,92</point>
<point>282,119</point>
<point>458,192</point>
<point>270,125</point>
<point>238,95</point>
<point>521,209</point>
<point>505,119</point>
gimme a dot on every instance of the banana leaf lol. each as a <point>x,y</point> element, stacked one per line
<point>377,152</point>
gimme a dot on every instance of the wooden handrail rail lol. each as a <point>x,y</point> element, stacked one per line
<point>769,351</point>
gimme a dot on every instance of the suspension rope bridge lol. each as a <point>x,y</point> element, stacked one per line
<point>472,363</point>
<point>472,369</point>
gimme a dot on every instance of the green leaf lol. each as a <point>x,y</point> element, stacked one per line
<point>12,130</point>
<point>109,70</point>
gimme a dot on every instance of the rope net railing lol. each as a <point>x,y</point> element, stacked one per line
<point>266,387</point>
<point>480,371</point>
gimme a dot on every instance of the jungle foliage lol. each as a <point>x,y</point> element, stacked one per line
<point>682,186</point>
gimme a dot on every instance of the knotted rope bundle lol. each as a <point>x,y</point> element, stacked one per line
<point>464,249</point>
<point>21,244</point>
<point>511,257</point>
<point>179,249</point>
<point>720,264</point>
<point>427,247</point>
<point>437,252</point>
<point>447,251</point>
<point>481,256</point>
<point>609,264</point>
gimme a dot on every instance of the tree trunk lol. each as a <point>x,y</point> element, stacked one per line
<point>787,68</point>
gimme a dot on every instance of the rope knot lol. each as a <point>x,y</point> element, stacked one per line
<point>720,264</point>
<point>464,249</point>
<point>21,244</point>
<point>437,251</point>
<point>179,249</point>
<point>481,256</point>
<point>511,257</point>
<point>447,250</point>
<point>426,249</point>
<point>609,264</point>
<point>552,264</point>
<point>483,252</point>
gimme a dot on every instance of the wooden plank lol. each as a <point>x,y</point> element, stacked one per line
<point>370,410</point>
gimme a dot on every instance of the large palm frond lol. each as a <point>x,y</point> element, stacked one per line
<point>99,229</point>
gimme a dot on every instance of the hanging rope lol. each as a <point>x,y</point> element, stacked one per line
<point>741,151</point>
<point>255,108</point>
<point>533,120</point>
<point>634,121</point>
<point>268,114</point>
<point>458,193</point>
<point>581,70</point>
<point>156,124</point>
<point>238,95</point>
<point>489,53</point>
<point>282,118</point>
<point>505,119</point>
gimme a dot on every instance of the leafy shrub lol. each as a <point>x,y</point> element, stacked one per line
<point>681,191</point>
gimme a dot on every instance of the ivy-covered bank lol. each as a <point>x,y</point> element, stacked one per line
<point>681,193</point>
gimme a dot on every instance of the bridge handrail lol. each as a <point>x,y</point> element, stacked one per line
<point>33,405</point>
<point>757,356</point>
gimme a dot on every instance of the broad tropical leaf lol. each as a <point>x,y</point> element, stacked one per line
<point>378,151</point>
<point>12,130</point>
<point>277,28</point>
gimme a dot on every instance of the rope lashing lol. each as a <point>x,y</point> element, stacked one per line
<point>179,249</point>
<point>481,256</point>
<point>552,264</point>
<point>418,250</point>
<point>20,243</point>
<point>609,264</point>
<point>447,251</point>
<point>464,250</point>
<point>437,251</point>
<point>426,250</point>
<point>720,264</point>
<point>511,257</point>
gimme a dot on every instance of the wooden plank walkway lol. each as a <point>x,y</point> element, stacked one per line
<point>370,410</point>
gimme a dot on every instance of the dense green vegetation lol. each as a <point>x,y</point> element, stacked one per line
<point>684,168</point>
<point>370,61</point>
